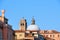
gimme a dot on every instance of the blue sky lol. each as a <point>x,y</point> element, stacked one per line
<point>45,12</point>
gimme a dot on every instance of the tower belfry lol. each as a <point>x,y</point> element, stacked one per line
<point>23,24</point>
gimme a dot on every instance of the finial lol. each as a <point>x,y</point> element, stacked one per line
<point>33,21</point>
<point>3,11</point>
<point>23,18</point>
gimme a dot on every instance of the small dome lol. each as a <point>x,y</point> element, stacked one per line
<point>33,27</point>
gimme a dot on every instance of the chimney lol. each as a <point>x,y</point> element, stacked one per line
<point>3,11</point>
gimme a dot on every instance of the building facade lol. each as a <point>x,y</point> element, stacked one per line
<point>28,33</point>
<point>6,31</point>
<point>50,34</point>
<point>31,32</point>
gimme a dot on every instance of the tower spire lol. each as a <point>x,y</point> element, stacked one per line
<point>33,21</point>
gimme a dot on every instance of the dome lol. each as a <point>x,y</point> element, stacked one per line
<point>33,27</point>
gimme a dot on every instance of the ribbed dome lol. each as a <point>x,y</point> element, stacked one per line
<point>33,27</point>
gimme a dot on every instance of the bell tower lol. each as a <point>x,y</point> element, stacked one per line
<point>23,24</point>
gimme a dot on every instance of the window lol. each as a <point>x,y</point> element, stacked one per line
<point>50,35</point>
<point>20,35</point>
<point>58,35</point>
<point>53,35</point>
<point>46,35</point>
<point>32,34</point>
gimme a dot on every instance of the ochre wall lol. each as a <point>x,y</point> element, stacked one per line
<point>20,35</point>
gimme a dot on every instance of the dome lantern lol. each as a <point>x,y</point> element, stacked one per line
<point>33,21</point>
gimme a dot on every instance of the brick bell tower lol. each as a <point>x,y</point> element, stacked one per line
<point>23,24</point>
